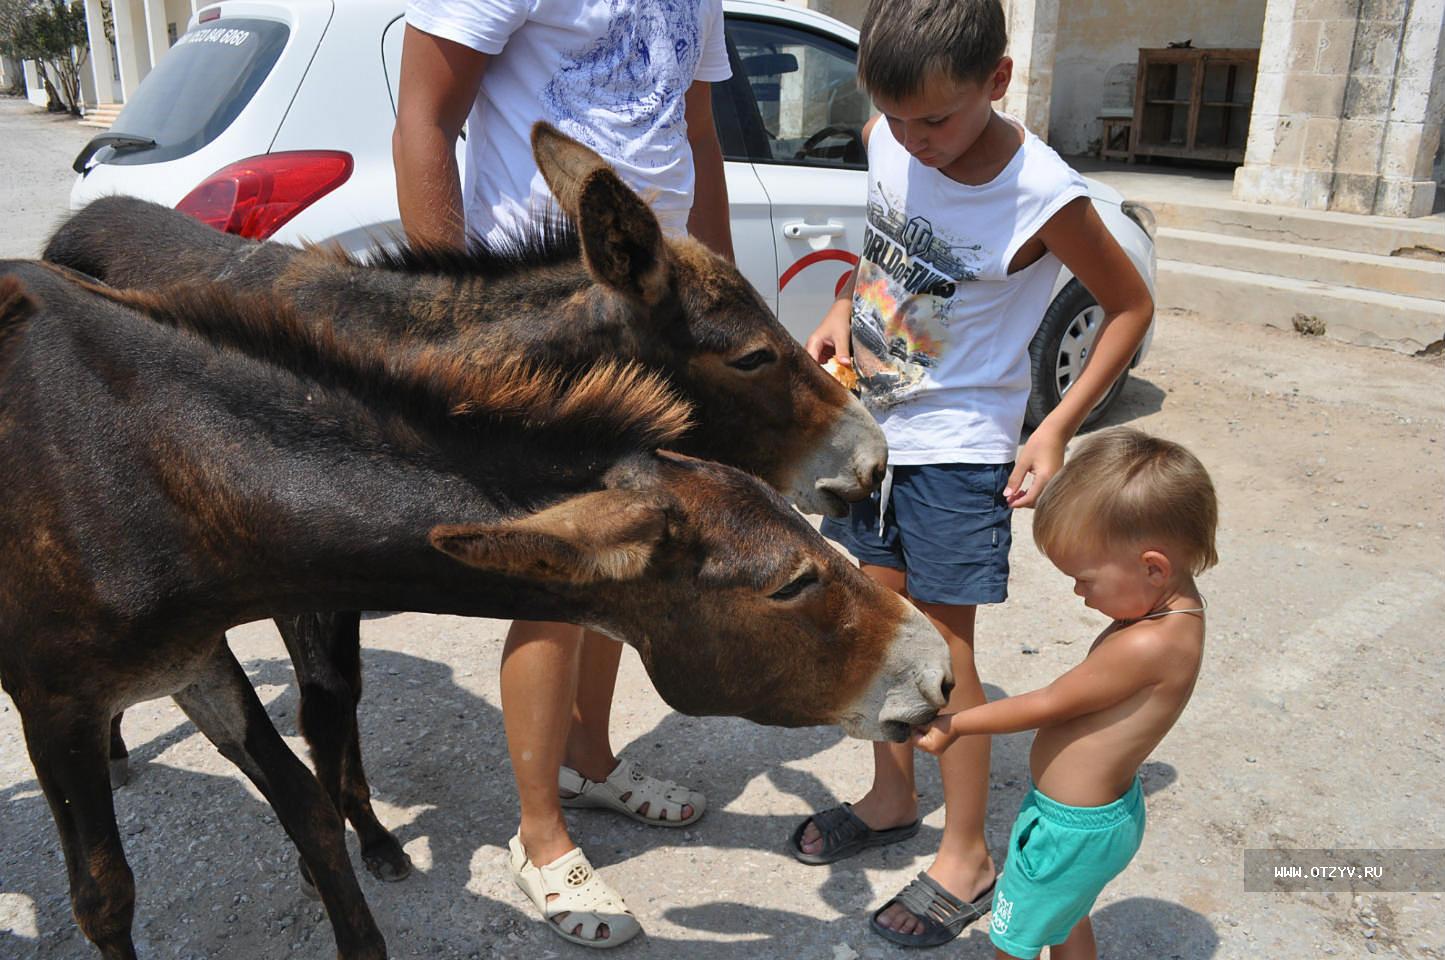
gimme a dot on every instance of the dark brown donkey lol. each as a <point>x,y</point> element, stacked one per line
<point>178,463</point>
<point>611,287</point>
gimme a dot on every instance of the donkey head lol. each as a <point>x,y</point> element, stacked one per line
<point>735,603</point>
<point>807,436</point>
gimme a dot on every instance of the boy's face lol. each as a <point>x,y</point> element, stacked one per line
<point>1123,583</point>
<point>942,121</point>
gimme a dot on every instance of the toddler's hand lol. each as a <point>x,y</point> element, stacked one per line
<point>936,736</point>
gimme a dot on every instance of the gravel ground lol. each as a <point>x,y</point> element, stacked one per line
<point>1317,723</point>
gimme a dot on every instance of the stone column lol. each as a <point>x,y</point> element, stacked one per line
<point>1407,182</point>
<point>1344,116</point>
<point>130,45</point>
<point>158,41</point>
<point>100,68</point>
<point>1033,28</point>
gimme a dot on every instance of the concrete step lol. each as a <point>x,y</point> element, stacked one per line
<point>1410,276</point>
<point>1382,236</point>
<point>1367,317</point>
<point>102,115</point>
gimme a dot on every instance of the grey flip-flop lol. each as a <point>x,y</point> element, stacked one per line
<point>844,835</point>
<point>943,915</point>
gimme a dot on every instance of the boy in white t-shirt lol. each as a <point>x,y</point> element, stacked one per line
<point>630,78</point>
<point>969,219</point>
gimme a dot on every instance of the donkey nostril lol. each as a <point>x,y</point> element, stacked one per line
<point>947,689</point>
<point>879,472</point>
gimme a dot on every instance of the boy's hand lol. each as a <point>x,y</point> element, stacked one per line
<point>834,337</point>
<point>935,737</point>
<point>1042,457</point>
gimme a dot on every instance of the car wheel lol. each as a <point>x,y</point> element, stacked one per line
<point>1059,350</point>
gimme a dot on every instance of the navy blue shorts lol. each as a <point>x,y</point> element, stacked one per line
<point>946,526</point>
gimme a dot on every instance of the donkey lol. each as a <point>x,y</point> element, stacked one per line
<point>611,286</point>
<point>179,463</point>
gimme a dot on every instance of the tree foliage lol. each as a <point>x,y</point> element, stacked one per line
<point>52,33</point>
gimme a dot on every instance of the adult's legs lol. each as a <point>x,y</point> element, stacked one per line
<point>589,742</point>
<point>539,682</point>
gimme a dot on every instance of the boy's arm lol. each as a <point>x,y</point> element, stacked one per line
<point>439,82</point>
<point>1108,676</point>
<point>709,220</point>
<point>833,337</point>
<point>1079,238</point>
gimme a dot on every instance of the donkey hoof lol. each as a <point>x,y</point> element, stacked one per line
<point>119,772</point>
<point>388,865</point>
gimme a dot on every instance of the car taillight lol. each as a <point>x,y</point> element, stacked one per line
<point>255,196</point>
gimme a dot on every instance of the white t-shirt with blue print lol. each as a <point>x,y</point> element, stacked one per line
<point>610,73</point>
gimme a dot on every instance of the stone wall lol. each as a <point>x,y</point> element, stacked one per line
<point>1348,107</point>
<point>1096,36</point>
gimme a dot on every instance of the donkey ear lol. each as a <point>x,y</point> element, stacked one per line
<point>16,303</point>
<point>622,242</point>
<point>564,163</point>
<point>606,535</point>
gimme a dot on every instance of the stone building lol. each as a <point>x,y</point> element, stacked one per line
<point>1347,103</point>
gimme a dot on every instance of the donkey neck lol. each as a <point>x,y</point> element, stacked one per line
<point>240,488</point>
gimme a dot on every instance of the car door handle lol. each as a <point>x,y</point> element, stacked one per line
<point>800,229</point>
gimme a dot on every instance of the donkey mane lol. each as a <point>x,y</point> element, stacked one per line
<point>611,403</point>
<point>549,241</point>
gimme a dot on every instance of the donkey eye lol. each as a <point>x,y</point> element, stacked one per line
<point>796,586</point>
<point>751,361</point>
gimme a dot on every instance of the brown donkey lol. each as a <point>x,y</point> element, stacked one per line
<point>176,464</point>
<point>611,287</point>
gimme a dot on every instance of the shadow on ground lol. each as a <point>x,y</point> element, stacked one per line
<point>215,874</point>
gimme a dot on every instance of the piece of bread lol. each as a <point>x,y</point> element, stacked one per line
<point>843,373</point>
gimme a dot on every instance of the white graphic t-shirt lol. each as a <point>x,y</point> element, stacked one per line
<point>610,73</point>
<point>941,330</point>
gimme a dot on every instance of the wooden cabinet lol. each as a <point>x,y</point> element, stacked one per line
<point>1193,103</point>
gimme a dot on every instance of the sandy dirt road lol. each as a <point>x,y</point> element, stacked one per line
<point>1318,721</point>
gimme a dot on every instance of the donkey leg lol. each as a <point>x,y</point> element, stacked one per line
<point>224,707</point>
<point>67,743</point>
<point>326,652</point>
<point>379,847</point>
<point>119,755</point>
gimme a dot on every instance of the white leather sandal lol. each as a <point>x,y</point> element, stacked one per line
<point>582,895</point>
<point>663,798</point>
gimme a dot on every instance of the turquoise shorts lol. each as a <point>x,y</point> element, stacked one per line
<point>1059,860</point>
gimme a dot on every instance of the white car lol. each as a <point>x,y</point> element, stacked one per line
<point>273,119</point>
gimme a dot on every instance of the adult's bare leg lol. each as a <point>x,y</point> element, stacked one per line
<point>589,741</point>
<point>539,682</point>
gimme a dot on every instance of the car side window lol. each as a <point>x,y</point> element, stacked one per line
<point>805,106</point>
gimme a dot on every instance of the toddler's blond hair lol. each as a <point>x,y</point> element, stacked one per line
<point>1122,487</point>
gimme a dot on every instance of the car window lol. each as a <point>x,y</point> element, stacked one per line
<point>806,104</point>
<point>199,87</point>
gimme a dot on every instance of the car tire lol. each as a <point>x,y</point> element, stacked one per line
<point>1059,350</point>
